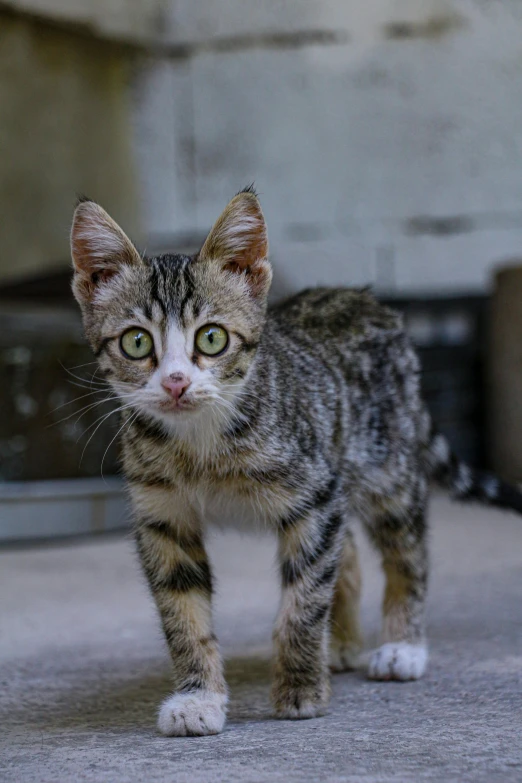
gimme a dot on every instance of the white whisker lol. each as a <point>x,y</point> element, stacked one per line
<point>126,423</point>
<point>85,410</point>
<point>85,386</point>
<point>91,381</point>
<point>78,366</point>
<point>101,420</point>
<point>76,399</point>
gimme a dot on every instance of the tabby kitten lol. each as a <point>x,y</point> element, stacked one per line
<point>300,416</point>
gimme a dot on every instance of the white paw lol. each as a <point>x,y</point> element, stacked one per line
<point>398,661</point>
<point>192,714</point>
<point>344,657</point>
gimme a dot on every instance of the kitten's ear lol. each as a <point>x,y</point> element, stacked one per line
<point>99,248</point>
<point>238,240</point>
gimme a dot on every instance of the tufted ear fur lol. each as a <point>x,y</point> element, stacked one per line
<point>99,247</point>
<point>238,240</point>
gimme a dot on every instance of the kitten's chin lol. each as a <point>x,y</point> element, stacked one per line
<point>171,413</point>
<point>175,420</point>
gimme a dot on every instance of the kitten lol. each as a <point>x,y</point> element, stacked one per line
<point>301,415</point>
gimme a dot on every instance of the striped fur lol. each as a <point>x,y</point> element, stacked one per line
<point>312,414</point>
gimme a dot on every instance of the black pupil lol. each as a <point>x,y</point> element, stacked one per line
<point>138,339</point>
<point>210,337</point>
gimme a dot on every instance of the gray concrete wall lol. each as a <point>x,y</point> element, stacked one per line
<point>384,136</point>
<point>65,127</point>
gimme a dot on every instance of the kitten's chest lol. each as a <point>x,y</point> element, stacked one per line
<point>225,507</point>
<point>246,491</point>
<point>242,503</point>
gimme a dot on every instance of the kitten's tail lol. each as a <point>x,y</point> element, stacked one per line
<point>466,483</point>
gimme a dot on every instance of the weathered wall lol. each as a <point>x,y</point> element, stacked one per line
<point>384,136</point>
<point>133,21</point>
<point>65,127</point>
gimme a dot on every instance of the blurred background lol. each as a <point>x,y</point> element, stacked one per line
<point>384,138</point>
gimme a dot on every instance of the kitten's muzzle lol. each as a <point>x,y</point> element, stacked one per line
<point>176,385</point>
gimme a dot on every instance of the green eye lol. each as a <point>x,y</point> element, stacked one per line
<point>211,340</point>
<point>136,344</point>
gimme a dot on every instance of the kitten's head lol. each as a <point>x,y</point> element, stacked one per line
<point>174,334</point>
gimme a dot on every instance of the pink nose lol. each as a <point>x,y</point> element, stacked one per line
<point>176,385</point>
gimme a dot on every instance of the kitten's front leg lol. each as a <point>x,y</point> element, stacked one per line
<point>309,549</point>
<point>176,565</point>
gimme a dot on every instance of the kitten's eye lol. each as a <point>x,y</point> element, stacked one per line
<point>136,344</point>
<point>211,340</point>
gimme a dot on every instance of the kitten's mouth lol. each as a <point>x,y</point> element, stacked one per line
<point>177,406</point>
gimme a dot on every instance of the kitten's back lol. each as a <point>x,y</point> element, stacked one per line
<point>338,314</point>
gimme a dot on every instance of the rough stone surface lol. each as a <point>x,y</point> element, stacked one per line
<point>84,668</point>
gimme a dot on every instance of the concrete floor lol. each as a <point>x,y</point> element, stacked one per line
<point>83,668</point>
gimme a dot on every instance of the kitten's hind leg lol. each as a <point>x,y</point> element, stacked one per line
<point>400,535</point>
<point>346,637</point>
<point>310,546</point>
